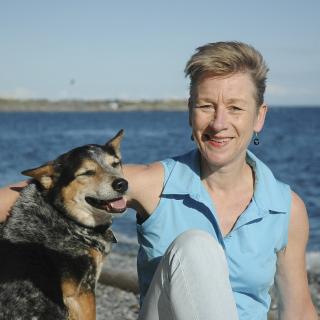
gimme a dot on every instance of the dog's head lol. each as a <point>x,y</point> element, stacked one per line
<point>86,183</point>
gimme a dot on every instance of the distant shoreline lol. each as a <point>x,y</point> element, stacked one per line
<point>117,105</point>
<point>43,105</point>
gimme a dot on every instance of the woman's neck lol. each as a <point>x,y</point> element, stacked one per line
<point>230,178</point>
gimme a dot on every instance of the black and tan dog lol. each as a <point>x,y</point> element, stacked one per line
<point>53,244</point>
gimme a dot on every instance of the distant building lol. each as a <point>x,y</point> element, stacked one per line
<point>114,106</point>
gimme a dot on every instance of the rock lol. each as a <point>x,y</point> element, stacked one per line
<point>120,273</point>
<point>116,304</point>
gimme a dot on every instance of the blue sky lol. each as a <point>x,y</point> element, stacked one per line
<point>138,49</point>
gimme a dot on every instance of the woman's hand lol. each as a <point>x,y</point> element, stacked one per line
<point>8,196</point>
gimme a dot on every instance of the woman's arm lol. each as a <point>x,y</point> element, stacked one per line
<point>8,196</point>
<point>145,186</point>
<point>291,276</point>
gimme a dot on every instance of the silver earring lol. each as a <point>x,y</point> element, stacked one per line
<point>256,140</point>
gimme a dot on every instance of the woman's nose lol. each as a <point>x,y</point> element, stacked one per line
<point>219,119</point>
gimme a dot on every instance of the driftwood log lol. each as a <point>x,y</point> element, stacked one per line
<point>127,281</point>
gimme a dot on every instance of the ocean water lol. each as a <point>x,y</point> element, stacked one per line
<point>289,145</point>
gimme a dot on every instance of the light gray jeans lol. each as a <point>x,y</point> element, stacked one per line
<point>191,282</point>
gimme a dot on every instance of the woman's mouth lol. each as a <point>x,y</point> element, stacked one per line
<point>217,142</point>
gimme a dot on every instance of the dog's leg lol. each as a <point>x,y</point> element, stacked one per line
<point>80,303</point>
<point>97,259</point>
<point>79,298</point>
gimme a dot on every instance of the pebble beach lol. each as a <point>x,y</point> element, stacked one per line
<point>114,303</point>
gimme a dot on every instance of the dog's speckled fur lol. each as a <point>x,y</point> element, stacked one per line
<point>51,259</point>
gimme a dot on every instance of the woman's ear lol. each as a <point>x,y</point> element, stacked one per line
<point>261,116</point>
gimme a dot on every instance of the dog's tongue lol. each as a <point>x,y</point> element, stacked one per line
<point>118,204</point>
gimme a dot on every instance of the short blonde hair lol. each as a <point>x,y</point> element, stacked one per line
<point>226,58</point>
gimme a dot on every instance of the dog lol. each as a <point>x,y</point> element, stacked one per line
<point>53,244</point>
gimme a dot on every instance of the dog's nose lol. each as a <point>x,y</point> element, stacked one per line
<point>120,185</point>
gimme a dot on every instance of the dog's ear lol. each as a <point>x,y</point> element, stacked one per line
<point>43,174</point>
<point>116,140</point>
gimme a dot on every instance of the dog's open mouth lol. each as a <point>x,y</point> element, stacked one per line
<point>116,205</point>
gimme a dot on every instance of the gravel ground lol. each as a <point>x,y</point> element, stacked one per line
<point>114,303</point>
<point>117,304</point>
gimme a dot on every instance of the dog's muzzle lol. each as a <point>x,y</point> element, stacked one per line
<point>116,205</point>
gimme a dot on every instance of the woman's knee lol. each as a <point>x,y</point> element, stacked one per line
<point>194,242</point>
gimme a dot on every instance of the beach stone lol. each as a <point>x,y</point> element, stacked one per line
<point>116,304</point>
<point>112,302</point>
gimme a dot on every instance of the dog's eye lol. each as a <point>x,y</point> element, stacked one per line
<point>88,173</point>
<point>115,164</point>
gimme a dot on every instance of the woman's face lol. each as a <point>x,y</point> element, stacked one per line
<point>223,116</point>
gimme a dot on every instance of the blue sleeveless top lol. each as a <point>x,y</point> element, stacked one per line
<point>250,248</point>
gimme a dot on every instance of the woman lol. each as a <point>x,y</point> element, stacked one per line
<point>214,225</point>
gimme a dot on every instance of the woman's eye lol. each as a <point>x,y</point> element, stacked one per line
<point>205,107</point>
<point>235,108</point>
<point>88,173</point>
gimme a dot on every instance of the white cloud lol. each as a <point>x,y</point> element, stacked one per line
<point>18,93</point>
<point>285,94</point>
